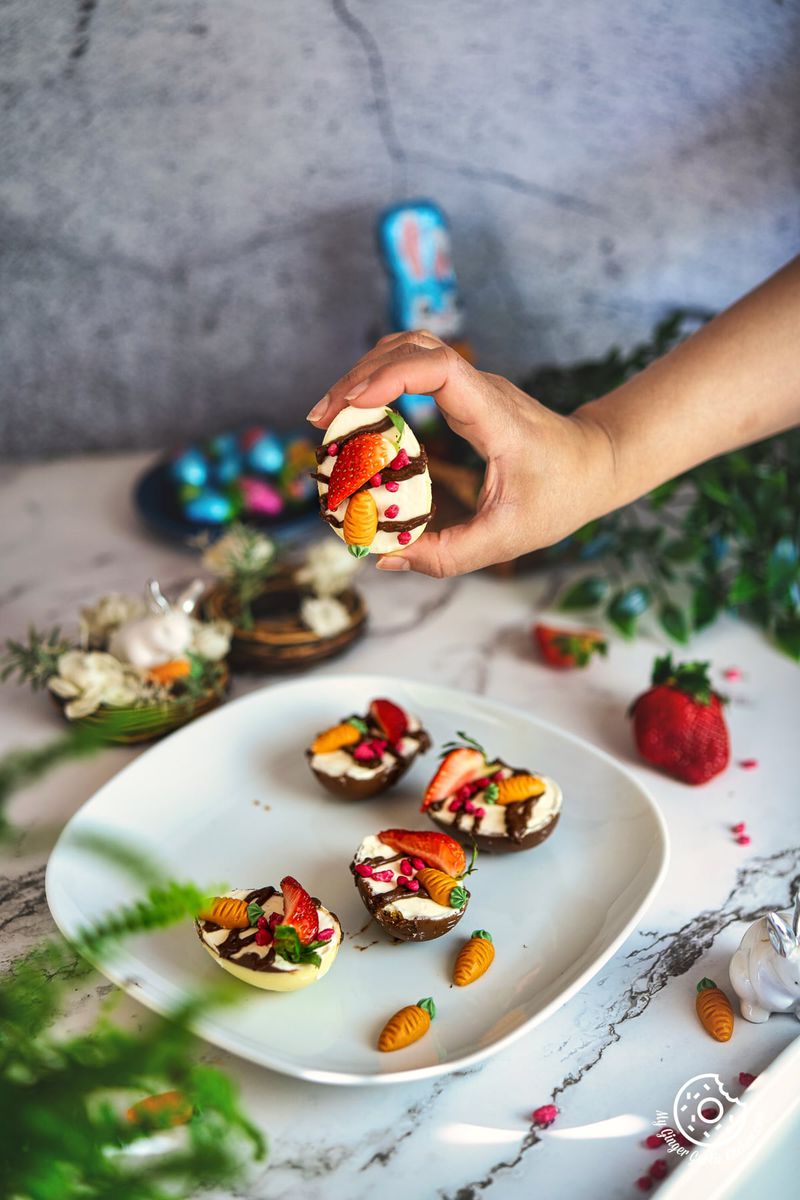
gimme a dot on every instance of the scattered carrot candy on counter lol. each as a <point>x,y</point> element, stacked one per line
<point>714,1010</point>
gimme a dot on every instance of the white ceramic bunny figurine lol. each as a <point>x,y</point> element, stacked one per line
<point>161,636</point>
<point>765,970</point>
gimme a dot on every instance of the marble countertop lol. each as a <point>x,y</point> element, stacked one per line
<point>625,1043</point>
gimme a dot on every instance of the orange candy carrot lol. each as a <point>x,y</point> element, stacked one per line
<point>360,523</point>
<point>518,788</point>
<point>474,958</point>
<point>168,672</point>
<point>407,1026</point>
<point>333,739</point>
<point>714,1010</point>
<point>442,888</point>
<point>227,912</point>
<point>161,1111</point>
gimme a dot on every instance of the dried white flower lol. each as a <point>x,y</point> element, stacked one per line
<point>324,615</point>
<point>328,568</point>
<point>88,680</point>
<point>211,640</point>
<point>99,620</point>
<point>240,551</point>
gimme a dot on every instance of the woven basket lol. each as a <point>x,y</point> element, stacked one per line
<point>145,723</point>
<point>279,640</point>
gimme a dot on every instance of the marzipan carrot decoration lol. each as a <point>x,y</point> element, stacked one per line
<point>518,788</point>
<point>474,958</point>
<point>227,912</point>
<point>168,672</point>
<point>345,734</point>
<point>714,1010</point>
<point>360,523</point>
<point>408,1025</point>
<point>161,1111</point>
<point>442,888</point>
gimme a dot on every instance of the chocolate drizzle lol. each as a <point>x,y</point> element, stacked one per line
<point>237,939</point>
<point>384,526</point>
<point>517,815</point>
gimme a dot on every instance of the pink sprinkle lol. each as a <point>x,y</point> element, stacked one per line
<point>463,792</point>
<point>745,1078</point>
<point>405,867</point>
<point>392,485</point>
<point>333,449</point>
<point>261,923</point>
<point>364,752</point>
<point>404,538</point>
<point>379,745</point>
<point>481,783</point>
<point>469,806</point>
<point>733,674</point>
<point>544,1115</point>
<point>375,481</point>
<point>275,919</point>
<point>455,805</point>
<point>480,812</point>
<point>659,1168</point>
<point>738,828</point>
<point>498,775</point>
<point>392,511</point>
<point>413,885</point>
<point>402,881</point>
<point>324,935</point>
<point>263,937</point>
<point>652,1141</point>
<point>747,764</point>
<point>743,839</point>
<point>418,864</point>
<point>401,460</point>
<point>364,870</point>
<point>383,876</point>
<point>644,1183</point>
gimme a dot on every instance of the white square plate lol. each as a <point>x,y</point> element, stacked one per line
<point>230,799</point>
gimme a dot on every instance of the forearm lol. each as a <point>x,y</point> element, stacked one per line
<point>735,381</point>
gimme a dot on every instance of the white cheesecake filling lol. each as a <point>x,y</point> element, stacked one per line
<point>409,906</point>
<point>413,496</point>
<point>338,762</point>
<point>214,938</point>
<point>493,822</point>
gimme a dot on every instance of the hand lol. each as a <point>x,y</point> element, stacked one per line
<point>544,472</point>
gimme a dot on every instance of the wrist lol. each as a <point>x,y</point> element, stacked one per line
<point>599,460</point>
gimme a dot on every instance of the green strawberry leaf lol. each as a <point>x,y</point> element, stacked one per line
<point>397,421</point>
<point>466,741</point>
<point>288,945</point>
<point>692,678</point>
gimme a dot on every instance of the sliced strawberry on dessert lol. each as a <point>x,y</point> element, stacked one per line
<point>437,849</point>
<point>299,910</point>
<point>390,718</point>
<point>356,462</point>
<point>568,647</point>
<point>458,767</point>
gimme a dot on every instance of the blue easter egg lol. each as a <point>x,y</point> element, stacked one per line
<point>190,466</point>
<point>223,445</point>
<point>210,508</point>
<point>228,468</point>
<point>266,454</point>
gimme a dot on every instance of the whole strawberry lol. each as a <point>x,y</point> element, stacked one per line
<point>679,724</point>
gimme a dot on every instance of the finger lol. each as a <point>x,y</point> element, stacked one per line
<point>339,395</point>
<point>454,551</point>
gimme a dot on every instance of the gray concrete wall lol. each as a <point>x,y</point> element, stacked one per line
<point>188,188</point>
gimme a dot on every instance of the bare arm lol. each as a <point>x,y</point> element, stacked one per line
<point>735,381</point>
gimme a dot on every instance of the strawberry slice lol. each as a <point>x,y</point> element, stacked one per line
<point>299,910</point>
<point>390,718</point>
<point>458,767</point>
<point>356,462</point>
<point>568,647</point>
<point>437,849</point>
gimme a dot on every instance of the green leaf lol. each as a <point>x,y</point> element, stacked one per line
<point>586,593</point>
<point>397,421</point>
<point>787,635</point>
<point>358,551</point>
<point>705,606</point>
<point>288,945</point>
<point>358,724</point>
<point>660,495</point>
<point>681,549</point>
<point>673,621</point>
<point>481,933</point>
<point>254,911</point>
<point>428,1006</point>
<point>458,897</point>
<point>627,606</point>
<point>782,566</point>
<point>490,794</point>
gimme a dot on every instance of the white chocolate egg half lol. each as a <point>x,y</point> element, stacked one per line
<point>413,496</point>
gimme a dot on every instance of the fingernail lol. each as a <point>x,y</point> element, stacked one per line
<point>318,411</point>
<point>390,562</point>
<point>357,390</point>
